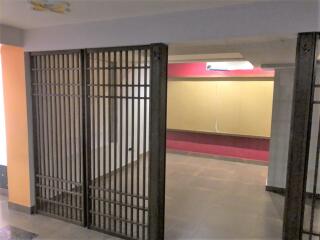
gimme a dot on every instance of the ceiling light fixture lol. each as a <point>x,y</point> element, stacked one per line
<point>229,66</point>
<point>56,6</point>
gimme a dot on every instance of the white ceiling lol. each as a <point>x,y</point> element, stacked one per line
<point>18,13</point>
<point>259,51</point>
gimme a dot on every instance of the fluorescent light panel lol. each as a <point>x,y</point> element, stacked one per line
<point>229,66</point>
<point>210,57</point>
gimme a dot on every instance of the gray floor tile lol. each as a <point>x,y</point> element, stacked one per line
<point>205,199</point>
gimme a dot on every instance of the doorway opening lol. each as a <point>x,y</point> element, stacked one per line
<point>226,169</point>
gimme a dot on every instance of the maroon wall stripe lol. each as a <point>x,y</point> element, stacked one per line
<point>227,146</point>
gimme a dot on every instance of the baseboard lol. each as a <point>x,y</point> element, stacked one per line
<point>3,177</point>
<point>21,208</point>
<point>282,191</point>
<point>4,191</point>
<point>218,157</point>
<point>279,190</point>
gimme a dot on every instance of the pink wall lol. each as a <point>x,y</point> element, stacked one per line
<point>198,70</point>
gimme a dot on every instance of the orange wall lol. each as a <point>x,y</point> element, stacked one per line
<point>15,101</point>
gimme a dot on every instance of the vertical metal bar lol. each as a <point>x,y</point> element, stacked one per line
<point>157,159</point>
<point>98,134</point>
<point>144,142</point>
<point>45,133</point>
<point>53,129</point>
<point>94,133</point>
<point>300,136</point>
<point>50,131</point>
<point>138,143</point>
<point>60,103</point>
<point>74,137</point>
<point>69,97</point>
<point>42,156</point>
<point>65,105</point>
<point>62,130</point>
<point>50,85</point>
<point>60,74</point>
<point>69,152</point>
<point>109,139</point>
<point>56,109</point>
<point>120,142</point>
<point>81,132</point>
<point>127,141</point>
<point>104,138</point>
<point>71,137</point>
<point>132,140</point>
<point>115,138</point>
<point>86,142</point>
<point>35,113</point>
<point>40,116</point>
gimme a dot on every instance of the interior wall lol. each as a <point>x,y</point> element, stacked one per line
<point>281,123</point>
<point>231,106</point>
<point>11,35</point>
<point>15,101</point>
<point>280,133</point>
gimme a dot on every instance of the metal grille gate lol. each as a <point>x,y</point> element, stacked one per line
<point>99,117</point>
<point>57,105</point>
<point>302,206</point>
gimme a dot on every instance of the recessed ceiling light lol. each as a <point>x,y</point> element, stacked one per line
<point>229,66</point>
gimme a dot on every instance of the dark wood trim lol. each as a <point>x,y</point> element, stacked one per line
<point>21,208</point>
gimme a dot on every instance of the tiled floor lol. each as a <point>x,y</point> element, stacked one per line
<point>206,199</point>
<point>10,233</point>
<point>216,199</point>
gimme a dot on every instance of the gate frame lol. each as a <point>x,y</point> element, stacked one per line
<point>300,132</point>
<point>157,129</point>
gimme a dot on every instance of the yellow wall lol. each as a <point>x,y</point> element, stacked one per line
<point>224,106</point>
<point>15,102</point>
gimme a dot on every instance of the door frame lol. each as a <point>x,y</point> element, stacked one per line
<point>300,134</point>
